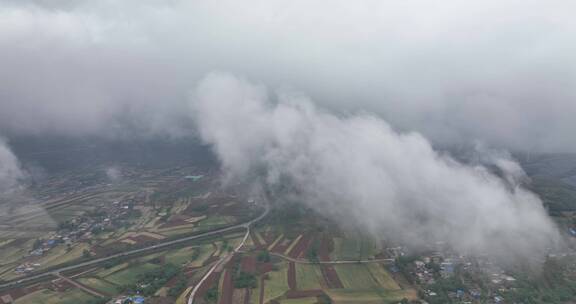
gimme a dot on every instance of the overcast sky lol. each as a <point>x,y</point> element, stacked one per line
<point>497,71</point>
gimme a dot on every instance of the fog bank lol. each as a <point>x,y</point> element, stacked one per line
<point>357,169</point>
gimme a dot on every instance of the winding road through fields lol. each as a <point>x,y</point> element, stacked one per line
<point>222,261</point>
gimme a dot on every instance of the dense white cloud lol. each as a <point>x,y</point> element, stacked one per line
<point>358,170</point>
<point>502,72</point>
<point>10,171</point>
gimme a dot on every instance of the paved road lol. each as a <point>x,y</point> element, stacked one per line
<point>135,251</point>
<point>227,257</point>
<point>222,261</point>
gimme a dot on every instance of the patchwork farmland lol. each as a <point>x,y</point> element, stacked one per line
<point>292,256</point>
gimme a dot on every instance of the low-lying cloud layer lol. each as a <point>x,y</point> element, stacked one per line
<point>499,71</point>
<point>357,169</point>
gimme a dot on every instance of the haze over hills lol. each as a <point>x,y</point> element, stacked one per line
<point>560,166</point>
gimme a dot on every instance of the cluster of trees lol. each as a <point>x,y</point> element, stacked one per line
<point>263,256</point>
<point>226,246</point>
<point>113,262</point>
<point>245,280</point>
<point>324,299</point>
<point>201,208</point>
<point>98,301</point>
<point>178,287</point>
<point>151,281</point>
<point>551,286</point>
<point>312,252</point>
<point>37,244</point>
<point>241,279</point>
<point>66,225</point>
<point>442,287</point>
<point>211,295</point>
<point>404,264</point>
<point>96,214</point>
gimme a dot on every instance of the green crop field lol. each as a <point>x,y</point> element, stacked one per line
<point>14,252</point>
<point>68,213</point>
<point>277,285</point>
<point>346,249</point>
<point>45,296</point>
<point>368,248</point>
<point>180,256</point>
<point>100,285</point>
<point>60,255</point>
<point>108,271</point>
<point>355,276</point>
<point>308,277</point>
<point>176,230</point>
<point>130,275</point>
<point>216,221</point>
<point>354,247</point>
<point>381,275</point>
<point>205,252</point>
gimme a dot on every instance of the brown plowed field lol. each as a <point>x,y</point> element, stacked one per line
<point>248,264</point>
<point>295,294</point>
<point>264,267</point>
<point>299,250</point>
<point>331,276</point>
<point>262,291</point>
<point>292,276</point>
<point>326,246</point>
<point>227,289</point>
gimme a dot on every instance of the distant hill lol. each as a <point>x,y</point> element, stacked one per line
<point>61,153</point>
<point>554,179</point>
